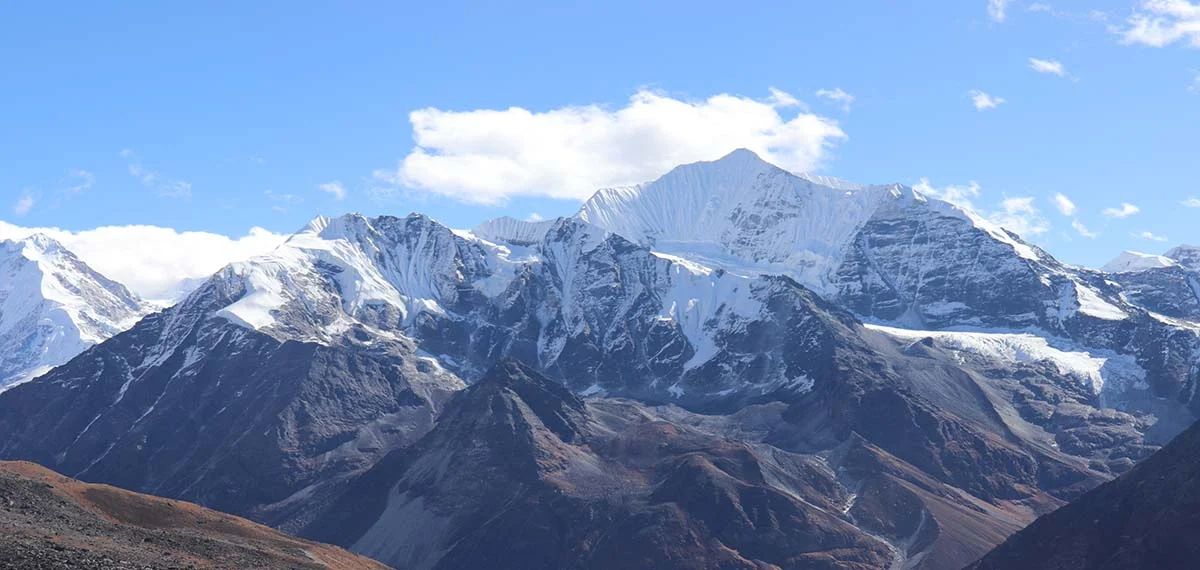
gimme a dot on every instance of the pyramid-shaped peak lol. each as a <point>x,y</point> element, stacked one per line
<point>38,243</point>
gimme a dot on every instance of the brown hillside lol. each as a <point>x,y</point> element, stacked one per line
<point>51,521</point>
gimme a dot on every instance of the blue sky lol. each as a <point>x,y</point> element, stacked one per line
<point>223,116</point>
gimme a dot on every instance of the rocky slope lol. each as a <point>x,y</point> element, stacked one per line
<point>1168,285</point>
<point>890,254</point>
<point>187,404</point>
<point>993,384</point>
<point>50,521</point>
<point>1147,518</point>
<point>53,306</point>
<point>521,473</point>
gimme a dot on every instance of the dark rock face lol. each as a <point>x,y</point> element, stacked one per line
<point>900,268</point>
<point>519,473</point>
<point>861,473</point>
<point>1147,518</point>
<point>1170,291</point>
<point>192,407</point>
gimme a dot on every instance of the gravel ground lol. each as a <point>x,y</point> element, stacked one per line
<point>50,522</point>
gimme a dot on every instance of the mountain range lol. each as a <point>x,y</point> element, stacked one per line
<point>732,366</point>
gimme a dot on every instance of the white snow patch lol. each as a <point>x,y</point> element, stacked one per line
<point>593,390</point>
<point>1090,303</point>
<point>1094,368</point>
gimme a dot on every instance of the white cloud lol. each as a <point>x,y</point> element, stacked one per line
<point>334,188</point>
<point>154,262</point>
<point>1194,87</point>
<point>963,196</point>
<point>1090,15</point>
<point>1149,235</point>
<point>1191,202</point>
<point>998,9</point>
<point>1018,214</point>
<point>166,187</point>
<point>1124,211</point>
<point>147,177</point>
<point>983,101</point>
<point>534,217</point>
<point>81,180</point>
<point>1083,231</point>
<point>837,96</point>
<point>1064,204</point>
<point>780,98</point>
<point>487,156</point>
<point>24,204</point>
<point>1048,66</point>
<point>1161,23</point>
<point>284,198</point>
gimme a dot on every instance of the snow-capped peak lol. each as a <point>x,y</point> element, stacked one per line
<point>1187,256</point>
<point>744,214</point>
<point>53,306</point>
<point>1131,261</point>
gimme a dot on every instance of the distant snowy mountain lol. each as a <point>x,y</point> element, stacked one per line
<point>1186,255</point>
<point>1129,261</point>
<point>53,306</point>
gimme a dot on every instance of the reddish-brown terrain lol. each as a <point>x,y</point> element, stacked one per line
<point>48,521</point>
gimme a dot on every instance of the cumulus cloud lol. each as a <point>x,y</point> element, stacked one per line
<point>1047,66</point>
<point>998,10</point>
<point>487,156</point>
<point>1064,204</point>
<point>1017,214</point>
<point>1191,202</point>
<point>983,101</point>
<point>155,262</point>
<point>1066,207</point>
<point>1159,23</point>
<point>335,189</point>
<point>534,217</point>
<point>838,97</point>
<point>1149,235</point>
<point>1083,231</point>
<point>24,204</point>
<point>1124,211</point>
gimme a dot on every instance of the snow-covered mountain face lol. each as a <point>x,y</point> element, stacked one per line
<point>886,252</point>
<point>891,255</point>
<point>53,306</point>
<point>286,377</point>
<point>990,372</point>
<point>586,305</point>
<point>1167,285</point>
<point>1186,255</point>
<point>1130,261</point>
